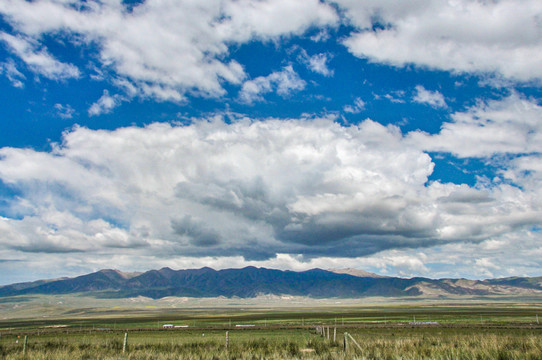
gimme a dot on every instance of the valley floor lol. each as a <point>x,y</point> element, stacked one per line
<point>41,328</point>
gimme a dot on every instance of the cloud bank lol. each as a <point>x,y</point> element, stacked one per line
<point>282,82</point>
<point>255,189</point>
<point>163,48</point>
<point>281,192</point>
<point>500,37</point>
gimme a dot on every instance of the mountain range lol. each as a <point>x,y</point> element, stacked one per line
<point>251,282</point>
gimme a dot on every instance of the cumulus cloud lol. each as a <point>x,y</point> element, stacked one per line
<point>322,35</point>
<point>505,133</point>
<point>432,98</point>
<point>13,74</point>
<point>288,193</point>
<point>38,60</point>
<point>251,189</point>
<point>501,37</point>
<point>164,48</point>
<point>487,259</point>
<point>64,111</point>
<point>105,104</point>
<point>506,126</point>
<point>459,259</point>
<point>284,82</point>
<point>356,108</point>
<point>317,63</point>
<point>396,96</point>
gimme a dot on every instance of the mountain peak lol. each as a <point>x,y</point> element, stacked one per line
<point>356,272</point>
<point>252,281</point>
<point>116,273</point>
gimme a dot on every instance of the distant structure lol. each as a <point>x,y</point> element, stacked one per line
<point>423,323</point>
<point>245,325</point>
<point>171,326</point>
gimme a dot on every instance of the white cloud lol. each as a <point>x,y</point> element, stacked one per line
<point>64,111</point>
<point>284,82</point>
<point>501,256</point>
<point>396,96</point>
<point>485,267</point>
<point>322,35</point>
<point>451,260</point>
<point>526,172</point>
<point>432,98</point>
<point>317,63</point>
<point>501,37</point>
<point>507,126</point>
<point>356,108</point>
<point>165,48</point>
<point>14,76</point>
<point>249,189</point>
<point>273,18</point>
<point>39,60</point>
<point>105,104</point>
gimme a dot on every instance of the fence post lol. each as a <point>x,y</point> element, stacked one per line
<point>125,341</point>
<point>355,342</point>
<point>24,346</point>
<point>227,340</point>
<point>334,334</point>
<point>345,341</point>
<point>328,332</point>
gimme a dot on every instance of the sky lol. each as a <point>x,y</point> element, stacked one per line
<point>398,137</point>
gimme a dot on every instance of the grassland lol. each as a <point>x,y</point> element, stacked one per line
<point>283,330</point>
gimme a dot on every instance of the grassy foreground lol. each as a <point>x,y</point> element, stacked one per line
<point>475,331</point>
<point>375,343</point>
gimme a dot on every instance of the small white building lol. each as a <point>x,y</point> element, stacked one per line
<point>168,326</point>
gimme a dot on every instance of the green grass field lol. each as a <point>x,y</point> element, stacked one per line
<point>474,330</point>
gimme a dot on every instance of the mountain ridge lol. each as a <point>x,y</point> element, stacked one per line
<point>250,282</point>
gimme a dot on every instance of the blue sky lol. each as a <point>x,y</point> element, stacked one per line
<point>396,137</point>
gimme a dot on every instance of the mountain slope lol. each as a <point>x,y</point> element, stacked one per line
<point>356,272</point>
<point>251,282</point>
